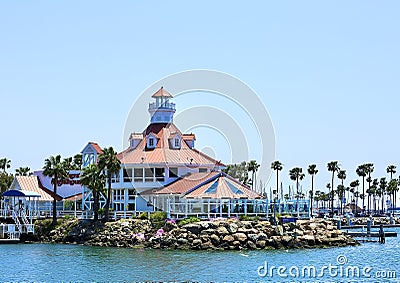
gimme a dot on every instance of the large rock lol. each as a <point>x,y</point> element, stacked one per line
<point>193,228</point>
<point>228,238</point>
<point>222,231</point>
<point>241,237</point>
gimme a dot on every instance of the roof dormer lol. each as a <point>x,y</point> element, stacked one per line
<point>151,141</point>
<point>175,141</point>
<point>135,139</point>
<point>189,139</point>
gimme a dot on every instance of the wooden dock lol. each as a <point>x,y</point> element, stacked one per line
<point>371,234</point>
<point>372,226</point>
<point>9,241</point>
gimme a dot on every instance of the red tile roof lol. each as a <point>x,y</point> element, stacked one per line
<point>163,152</point>
<point>188,137</point>
<point>185,183</point>
<point>162,92</point>
<point>96,147</point>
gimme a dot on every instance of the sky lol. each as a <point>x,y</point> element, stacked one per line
<point>327,72</point>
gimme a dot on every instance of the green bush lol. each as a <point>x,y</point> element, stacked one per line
<point>189,220</point>
<point>143,216</point>
<point>158,216</point>
<point>248,218</point>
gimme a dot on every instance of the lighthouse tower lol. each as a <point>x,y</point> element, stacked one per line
<point>162,110</point>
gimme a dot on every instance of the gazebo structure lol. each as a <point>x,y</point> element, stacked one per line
<point>213,194</point>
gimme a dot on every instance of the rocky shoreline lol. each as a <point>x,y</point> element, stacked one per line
<point>230,234</point>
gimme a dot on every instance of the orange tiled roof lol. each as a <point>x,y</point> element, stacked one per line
<point>162,92</point>
<point>163,152</point>
<point>96,147</point>
<point>32,184</point>
<point>188,137</point>
<point>222,187</point>
<point>185,183</point>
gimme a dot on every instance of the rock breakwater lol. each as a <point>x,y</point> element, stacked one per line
<point>203,235</point>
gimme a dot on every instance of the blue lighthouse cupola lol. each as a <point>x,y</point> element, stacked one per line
<point>162,110</point>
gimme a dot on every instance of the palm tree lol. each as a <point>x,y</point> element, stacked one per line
<point>391,169</point>
<point>297,174</point>
<point>362,172</point>
<point>340,193</point>
<point>333,167</point>
<point>356,194</point>
<point>77,162</point>
<point>93,178</point>
<point>382,190</point>
<point>391,189</point>
<point>342,176</point>
<point>55,168</point>
<point>277,166</point>
<point>312,170</point>
<point>253,167</point>
<point>109,162</point>
<point>23,171</point>
<point>370,169</point>
<point>5,164</point>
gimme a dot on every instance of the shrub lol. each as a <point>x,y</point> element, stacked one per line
<point>143,216</point>
<point>189,220</point>
<point>158,216</point>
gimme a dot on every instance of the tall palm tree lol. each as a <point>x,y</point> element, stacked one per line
<point>342,176</point>
<point>77,162</point>
<point>362,172</point>
<point>356,194</point>
<point>5,164</point>
<point>333,167</point>
<point>391,169</point>
<point>297,174</point>
<point>391,189</point>
<point>252,166</point>
<point>382,189</point>
<point>93,178</point>
<point>23,171</point>
<point>277,166</point>
<point>370,169</point>
<point>109,162</point>
<point>55,168</point>
<point>340,193</point>
<point>312,170</point>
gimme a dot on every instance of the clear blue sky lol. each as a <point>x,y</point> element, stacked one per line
<point>327,71</point>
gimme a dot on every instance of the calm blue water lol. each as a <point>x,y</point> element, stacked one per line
<point>56,263</point>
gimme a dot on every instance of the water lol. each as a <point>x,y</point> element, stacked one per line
<point>56,263</point>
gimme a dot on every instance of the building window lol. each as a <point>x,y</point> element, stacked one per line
<point>138,174</point>
<point>115,178</point>
<point>177,143</point>
<point>151,142</point>
<point>173,172</point>
<point>160,174</point>
<point>127,175</point>
<point>131,194</point>
<point>149,174</point>
<point>202,170</point>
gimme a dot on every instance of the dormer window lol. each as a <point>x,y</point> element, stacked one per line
<point>176,143</point>
<point>151,141</point>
